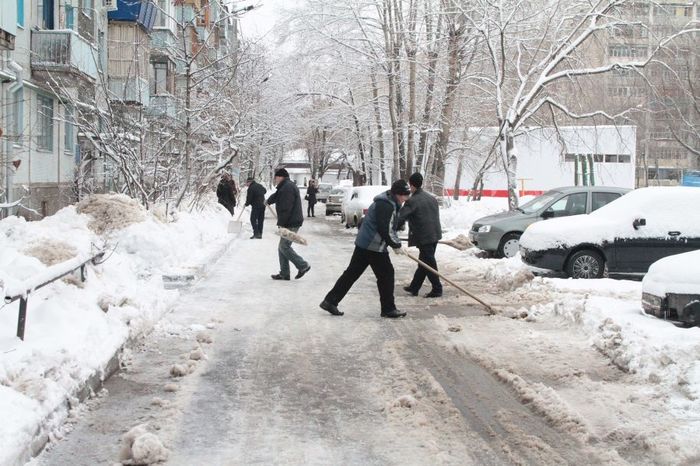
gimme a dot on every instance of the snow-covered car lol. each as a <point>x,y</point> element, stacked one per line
<point>334,204</point>
<point>500,233</point>
<point>361,198</point>
<point>625,237</point>
<point>671,288</point>
<point>324,189</point>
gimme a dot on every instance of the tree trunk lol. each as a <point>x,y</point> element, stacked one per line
<point>380,128</point>
<point>510,161</point>
<point>411,57</point>
<point>433,56</point>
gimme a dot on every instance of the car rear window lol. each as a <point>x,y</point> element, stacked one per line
<point>600,199</point>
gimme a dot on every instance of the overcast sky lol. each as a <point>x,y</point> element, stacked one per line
<point>261,20</point>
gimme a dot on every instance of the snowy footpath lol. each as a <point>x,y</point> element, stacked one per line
<point>240,369</point>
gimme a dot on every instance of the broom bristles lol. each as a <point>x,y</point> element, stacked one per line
<point>291,236</point>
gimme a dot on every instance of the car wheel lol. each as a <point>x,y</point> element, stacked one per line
<point>585,264</point>
<point>509,245</point>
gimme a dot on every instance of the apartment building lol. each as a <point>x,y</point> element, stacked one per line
<point>84,83</point>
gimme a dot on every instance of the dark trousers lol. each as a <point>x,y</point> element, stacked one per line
<point>228,206</point>
<point>310,210</point>
<point>257,218</point>
<point>383,270</point>
<point>427,255</point>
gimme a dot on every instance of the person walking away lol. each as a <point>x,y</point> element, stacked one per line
<point>290,215</point>
<point>255,198</point>
<point>311,192</point>
<point>226,192</point>
<point>377,232</point>
<point>422,212</point>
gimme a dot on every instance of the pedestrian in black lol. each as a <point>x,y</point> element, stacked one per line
<point>226,192</point>
<point>422,212</point>
<point>290,215</point>
<point>256,200</point>
<point>311,192</point>
<point>377,232</point>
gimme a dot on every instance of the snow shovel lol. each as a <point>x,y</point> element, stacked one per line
<point>235,226</point>
<point>288,234</point>
<point>429,268</point>
<point>459,242</point>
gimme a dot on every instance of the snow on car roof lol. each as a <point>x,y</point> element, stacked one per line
<point>674,274</point>
<point>664,208</point>
<point>368,192</point>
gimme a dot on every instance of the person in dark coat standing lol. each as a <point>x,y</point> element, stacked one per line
<point>377,232</point>
<point>290,215</point>
<point>311,192</point>
<point>422,212</point>
<point>255,198</point>
<point>226,192</point>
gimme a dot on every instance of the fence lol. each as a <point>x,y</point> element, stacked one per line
<point>50,275</point>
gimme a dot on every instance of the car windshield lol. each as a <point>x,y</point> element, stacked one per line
<point>539,202</point>
<point>338,191</point>
<point>324,187</point>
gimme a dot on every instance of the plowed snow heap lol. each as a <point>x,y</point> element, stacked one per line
<point>111,212</point>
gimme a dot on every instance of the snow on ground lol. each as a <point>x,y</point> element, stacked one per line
<point>73,329</point>
<point>608,313</point>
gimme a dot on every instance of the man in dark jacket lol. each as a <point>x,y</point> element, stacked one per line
<point>226,192</point>
<point>256,200</point>
<point>378,230</point>
<point>422,212</point>
<point>287,200</point>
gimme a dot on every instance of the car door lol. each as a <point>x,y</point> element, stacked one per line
<point>634,253</point>
<point>599,199</point>
<point>570,204</point>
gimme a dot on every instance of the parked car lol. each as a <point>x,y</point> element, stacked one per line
<point>361,198</point>
<point>324,189</point>
<point>334,204</point>
<point>671,288</point>
<point>625,237</point>
<point>500,233</point>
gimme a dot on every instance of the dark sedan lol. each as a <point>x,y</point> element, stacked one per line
<point>623,238</point>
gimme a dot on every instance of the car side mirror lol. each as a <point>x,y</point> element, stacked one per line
<point>549,213</point>
<point>639,222</point>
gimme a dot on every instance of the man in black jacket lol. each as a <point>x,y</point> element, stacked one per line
<point>377,232</point>
<point>256,199</point>
<point>290,216</point>
<point>226,192</point>
<point>422,212</point>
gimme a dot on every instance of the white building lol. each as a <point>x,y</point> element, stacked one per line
<point>548,158</point>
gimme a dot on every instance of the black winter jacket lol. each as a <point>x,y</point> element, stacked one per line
<point>288,203</point>
<point>422,212</point>
<point>226,193</point>
<point>256,195</point>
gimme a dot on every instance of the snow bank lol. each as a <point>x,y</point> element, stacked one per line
<point>72,332</point>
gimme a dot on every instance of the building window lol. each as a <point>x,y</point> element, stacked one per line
<point>20,13</point>
<point>625,50</point>
<point>88,6</point>
<point>44,138</point>
<point>69,134</point>
<point>70,17</point>
<point>162,20</point>
<point>160,78</point>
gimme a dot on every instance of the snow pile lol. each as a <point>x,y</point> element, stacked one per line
<point>72,332</point>
<point>139,446</point>
<point>110,212</point>
<point>674,274</point>
<point>664,209</point>
<point>461,214</point>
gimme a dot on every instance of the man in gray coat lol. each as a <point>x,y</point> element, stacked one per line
<point>422,212</point>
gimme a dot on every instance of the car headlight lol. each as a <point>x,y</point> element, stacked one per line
<point>485,229</point>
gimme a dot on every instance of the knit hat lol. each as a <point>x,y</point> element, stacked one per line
<point>249,179</point>
<point>416,180</point>
<point>400,187</point>
<point>282,172</point>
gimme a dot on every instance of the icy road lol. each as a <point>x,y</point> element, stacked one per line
<point>247,370</point>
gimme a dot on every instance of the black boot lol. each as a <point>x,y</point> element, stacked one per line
<point>408,289</point>
<point>434,294</point>
<point>332,308</point>
<point>394,313</point>
<point>279,276</point>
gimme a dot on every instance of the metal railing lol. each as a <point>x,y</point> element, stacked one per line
<point>50,275</point>
<point>63,50</point>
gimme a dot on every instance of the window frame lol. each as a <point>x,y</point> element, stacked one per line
<point>45,113</point>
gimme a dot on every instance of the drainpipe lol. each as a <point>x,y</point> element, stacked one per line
<point>14,87</point>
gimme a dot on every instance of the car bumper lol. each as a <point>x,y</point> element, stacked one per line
<point>547,259</point>
<point>486,241</point>
<point>653,305</point>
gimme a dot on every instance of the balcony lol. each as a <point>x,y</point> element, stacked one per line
<point>63,51</point>
<point>129,90</point>
<point>163,105</point>
<point>163,38</point>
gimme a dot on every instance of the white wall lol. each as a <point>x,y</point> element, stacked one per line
<point>541,164</point>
